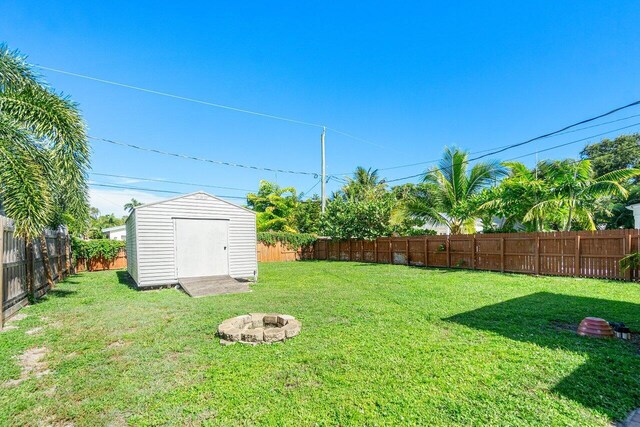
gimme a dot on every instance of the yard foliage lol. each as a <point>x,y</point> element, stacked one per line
<point>44,153</point>
<point>293,241</point>
<point>553,195</point>
<point>106,249</point>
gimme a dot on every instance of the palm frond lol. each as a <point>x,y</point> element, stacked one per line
<point>14,70</point>
<point>542,209</point>
<point>604,189</point>
<point>619,175</point>
<point>483,175</point>
<point>24,187</point>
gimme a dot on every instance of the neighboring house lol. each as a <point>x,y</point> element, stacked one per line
<point>635,208</point>
<point>442,229</point>
<point>115,233</point>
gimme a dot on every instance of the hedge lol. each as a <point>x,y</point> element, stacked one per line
<point>98,248</point>
<point>292,241</point>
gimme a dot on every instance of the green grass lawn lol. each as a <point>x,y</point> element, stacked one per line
<point>380,345</point>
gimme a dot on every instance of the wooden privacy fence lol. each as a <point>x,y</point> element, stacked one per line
<point>100,263</point>
<point>569,253</point>
<point>16,264</point>
<point>280,252</point>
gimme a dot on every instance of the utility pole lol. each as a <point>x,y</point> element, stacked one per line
<point>323,191</point>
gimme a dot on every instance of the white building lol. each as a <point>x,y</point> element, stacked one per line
<point>635,208</point>
<point>115,233</point>
<point>192,236</point>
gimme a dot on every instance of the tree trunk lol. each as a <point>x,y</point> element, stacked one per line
<point>31,291</point>
<point>45,260</point>
<point>67,256</point>
<point>568,225</point>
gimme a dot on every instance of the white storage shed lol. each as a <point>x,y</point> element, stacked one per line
<point>191,236</point>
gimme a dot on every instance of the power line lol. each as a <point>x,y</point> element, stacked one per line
<point>124,187</point>
<point>207,103</point>
<point>200,159</point>
<point>503,146</point>
<point>570,143</point>
<point>608,113</point>
<point>537,151</point>
<point>168,181</point>
<point>182,98</point>
<point>309,190</point>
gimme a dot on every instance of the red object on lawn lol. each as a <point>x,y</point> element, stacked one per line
<point>595,327</point>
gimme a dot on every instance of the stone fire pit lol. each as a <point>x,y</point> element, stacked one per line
<point>258,328</point>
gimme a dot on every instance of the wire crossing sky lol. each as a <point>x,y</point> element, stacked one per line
<point>394,83</point>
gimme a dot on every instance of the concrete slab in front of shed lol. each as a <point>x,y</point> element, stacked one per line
<point>212,285</point>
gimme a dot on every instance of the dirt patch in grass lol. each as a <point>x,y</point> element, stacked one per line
<point>562,326</point>
<point>35,330</point>
<point>31,364</point>
<point>17,317</point>
<point>116,344</point>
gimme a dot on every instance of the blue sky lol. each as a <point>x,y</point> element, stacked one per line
<point>408,77</point>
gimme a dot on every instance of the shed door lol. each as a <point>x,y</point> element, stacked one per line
<point>202,247</point>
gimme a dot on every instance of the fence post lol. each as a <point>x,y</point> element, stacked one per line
<point>1,272</point>
<point>626,244</point>
<point>426,252</point>
<point>407,250</point>
<point>448,243</point>
<point>375,251</point>
<point>576,268</point>
<point>391,250</point>
<point>67,254</point>
<point>350,249</point>
<point>537,260</point>
<point>502,254</point>
<point>59,255</point>
<point>473,252</point>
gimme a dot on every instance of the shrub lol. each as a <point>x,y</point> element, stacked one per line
<point>99,248</point>
<point>292,241</point>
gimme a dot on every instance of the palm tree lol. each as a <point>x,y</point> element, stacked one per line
<point>129,206</point>
<point>575,191</point>
<point>44,152</point>
<point>515,196</point>
<point>450,188</point>
<point>365,184</point>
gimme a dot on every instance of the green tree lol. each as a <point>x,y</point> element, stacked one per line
<point>97,223</point>
<point>611,155</point>
<point>274,206</point>
<point>358,219</point>
<point>402,223</point>
<point>450,190</point>
<point>131,205</point>
<point>306,215</point>
<point>608,156</point>
<point>514,197</point>
<point>365,184</point>
<point>44,152</point>
<point>576,191</point>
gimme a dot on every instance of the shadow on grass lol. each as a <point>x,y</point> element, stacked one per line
<point>60,293</point>
<point>124,278</point>
<point>608,382</point>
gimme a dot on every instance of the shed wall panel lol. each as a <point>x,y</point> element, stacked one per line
<point>131,247</point>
